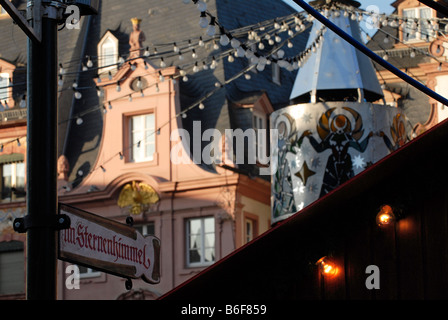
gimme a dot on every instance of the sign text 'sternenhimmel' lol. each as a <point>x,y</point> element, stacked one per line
<point>108,245</point>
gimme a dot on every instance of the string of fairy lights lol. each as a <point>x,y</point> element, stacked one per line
<point>261,44</point>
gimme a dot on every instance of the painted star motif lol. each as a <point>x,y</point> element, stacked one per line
<point>307,118</point>
<point>304,173</point>
<point>358,162</point>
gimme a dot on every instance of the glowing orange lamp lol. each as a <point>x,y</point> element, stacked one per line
<point>386,216</point>
<point>327,267</point>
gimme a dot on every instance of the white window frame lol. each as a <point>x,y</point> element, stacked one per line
<point>143,228</point>
<point>4,88</point>
<point>418,36</point>
<point>109,40</point>
<point>203,247</point>
<point>148,138</point>
<point>276,74</point>
<point>14,172</point>
<point>249,226</point>
<point>91,273</point>
<point>259,121</point>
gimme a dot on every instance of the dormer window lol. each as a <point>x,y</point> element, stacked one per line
<point>107,52</point>
<point>418,24</point>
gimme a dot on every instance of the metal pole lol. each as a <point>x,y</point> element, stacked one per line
<point>42,164</point>
<point>371,54</point>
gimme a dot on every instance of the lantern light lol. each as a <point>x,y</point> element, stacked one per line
<point>385,216</point>
<point>327,267</point>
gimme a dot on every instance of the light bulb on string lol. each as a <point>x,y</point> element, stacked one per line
<point>201,42</point>
<point>224,39</point>
<point>18,142</point>
<point>175,48</point>
<point>60,81</point>
<point>110,75</point>
<point>235,43</point>
<point>193,54</point>
<point>201,5</point>
<point>61,69</point>
<point>211,29</point>
<point>203,21</point>
<point>204,66</point>
<point>139,82</point>
<point>78,94</point>
<point>201,106</point>
<point>230,58</point>
<point>162,63</point>
<point>130,98</point>
<point>118,88</point>
<point>89,62</point>
<point>161,77</point>
<point>214,64</point>
<point>84,67</point>
<point>79,121</point>
<point>110,105</point>
<point>22,103</point>
<point>240,52</point>
<point>147,53</point>
<point>195,68</point>
<point>181,57</point>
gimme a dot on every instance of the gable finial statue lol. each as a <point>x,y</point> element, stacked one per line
<point>136,39</point>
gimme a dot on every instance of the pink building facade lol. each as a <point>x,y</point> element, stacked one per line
<point>199,217</point>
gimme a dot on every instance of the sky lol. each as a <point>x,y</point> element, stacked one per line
<point>383,5</point>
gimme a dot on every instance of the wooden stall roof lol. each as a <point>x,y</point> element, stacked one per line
<point>412,255</point>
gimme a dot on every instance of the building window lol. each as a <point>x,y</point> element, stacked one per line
<point>250,229</point>
<point>261,139</point>
<point>200,241</point>
<point>142,137</point>
<point>107,52</point>
<point>12,266</point>
<point>417,26</point>
<point>85,272</point>
<point>276,74</point>
<point>13,180</point>
<point>4,83</point>
<point>146,229</point>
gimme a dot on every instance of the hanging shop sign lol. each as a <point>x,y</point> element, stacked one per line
<point>109,246</point>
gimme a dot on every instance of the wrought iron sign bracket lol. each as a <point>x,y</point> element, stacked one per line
<point>59,222</point>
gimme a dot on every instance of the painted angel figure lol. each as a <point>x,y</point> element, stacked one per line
<point>337,134</point>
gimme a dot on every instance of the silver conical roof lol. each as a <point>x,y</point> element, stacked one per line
<point>336,65</point>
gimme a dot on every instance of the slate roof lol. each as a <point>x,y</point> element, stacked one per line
<point>163,22</point>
